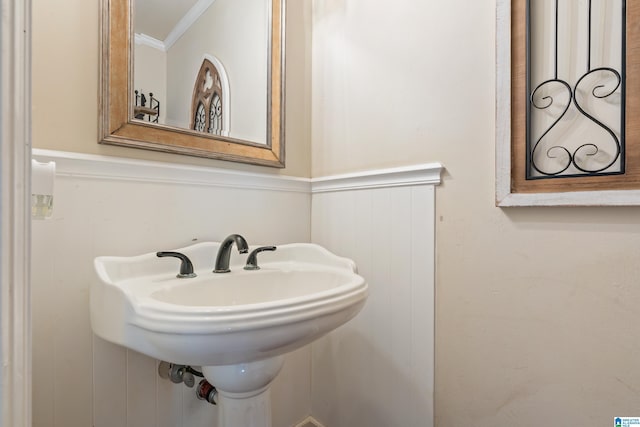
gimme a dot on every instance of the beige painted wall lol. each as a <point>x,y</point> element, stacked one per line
<point>150,75</point>
<point>65,86</point>
<point>536,321</point>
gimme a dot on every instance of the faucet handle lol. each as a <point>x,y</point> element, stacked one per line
<point>252,259</point>
<point>186,267</point>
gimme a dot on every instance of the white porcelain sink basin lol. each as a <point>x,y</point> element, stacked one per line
<point>301,292</point>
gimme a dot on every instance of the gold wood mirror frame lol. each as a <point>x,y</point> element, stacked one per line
<point>118,127</point>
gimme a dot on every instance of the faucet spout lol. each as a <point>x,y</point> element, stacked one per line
<point>224,252</point>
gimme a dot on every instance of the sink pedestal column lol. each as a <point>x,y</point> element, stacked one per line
<point>243,391</point>
<point>252,411</point>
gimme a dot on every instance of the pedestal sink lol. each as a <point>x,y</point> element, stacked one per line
<point>237,326</point>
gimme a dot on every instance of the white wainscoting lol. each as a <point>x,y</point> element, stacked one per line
<point>378,369</point>
<point>110,206</point>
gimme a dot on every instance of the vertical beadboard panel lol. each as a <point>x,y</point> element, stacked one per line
<point>169,397</point>
<point>377,370</point>
<point>196,413</point>
<point>423,302</point>
<point>42,330</point>
<point>141,390</point>
<point>64,311</point>
<point>109,385</point>
<point>107,206</point>
<point>286,388</point>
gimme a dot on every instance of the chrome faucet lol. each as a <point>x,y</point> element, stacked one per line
<point>224,252</point>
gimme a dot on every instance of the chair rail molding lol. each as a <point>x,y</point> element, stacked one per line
<point>125,169</point>
<point>422,174</point>
<point>114,168</point>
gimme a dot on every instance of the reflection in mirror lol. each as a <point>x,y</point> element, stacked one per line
<point>208,111</point>
<point>173,41</point>
<point>204,77</point>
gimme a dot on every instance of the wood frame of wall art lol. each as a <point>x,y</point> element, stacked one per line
<point>512,118</point>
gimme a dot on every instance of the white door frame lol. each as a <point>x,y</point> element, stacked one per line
<point>15,218</point>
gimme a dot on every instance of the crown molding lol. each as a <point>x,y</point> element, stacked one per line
<point>145,40</point>
<point>180,28</point>
<point>187,21</point>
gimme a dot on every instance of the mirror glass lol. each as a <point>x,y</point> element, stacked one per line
<point>173,39</point>
<point>196,77</point>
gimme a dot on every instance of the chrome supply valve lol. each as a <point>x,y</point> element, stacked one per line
<point>186,374</point>
<point>178,373</point>
<point>188,379</point>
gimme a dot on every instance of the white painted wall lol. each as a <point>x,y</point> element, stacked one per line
<point>105,206</point>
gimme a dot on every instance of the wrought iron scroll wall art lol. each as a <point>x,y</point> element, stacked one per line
<point>575,117</point>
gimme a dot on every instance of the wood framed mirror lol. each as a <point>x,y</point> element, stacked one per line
<point>123,122</point>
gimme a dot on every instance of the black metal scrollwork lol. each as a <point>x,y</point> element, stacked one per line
<point>594,157</point>
<point>550,152</point>
<point>591,148</point>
